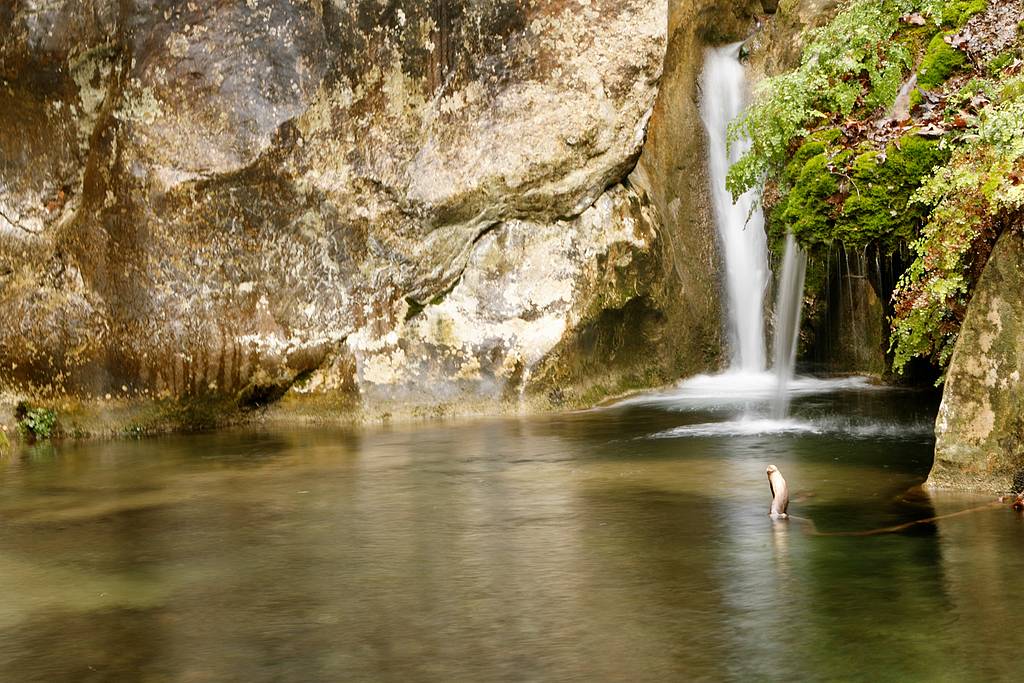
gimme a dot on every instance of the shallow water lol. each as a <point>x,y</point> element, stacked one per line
<point>574,547</point>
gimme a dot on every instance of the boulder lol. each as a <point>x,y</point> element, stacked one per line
<point>980,426</point>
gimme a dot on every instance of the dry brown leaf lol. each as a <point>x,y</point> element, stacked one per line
<point>932,130</point>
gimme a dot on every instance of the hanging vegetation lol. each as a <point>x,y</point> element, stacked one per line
<point>901,129</point>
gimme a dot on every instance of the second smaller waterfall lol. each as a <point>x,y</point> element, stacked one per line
<point>788,306</point>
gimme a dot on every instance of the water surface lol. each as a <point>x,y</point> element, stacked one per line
<point>623,544</point>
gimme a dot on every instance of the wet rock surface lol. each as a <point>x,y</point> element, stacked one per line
<point>776,47</point>
<point>980,426</point>
<point>375,205</point>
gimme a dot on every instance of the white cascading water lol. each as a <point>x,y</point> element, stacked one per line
<point>747,387</point>
<point>788,306</point>
<point>740,223</point>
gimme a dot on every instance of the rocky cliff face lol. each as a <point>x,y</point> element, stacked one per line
<point>410,206</point>
<point>980,427</point>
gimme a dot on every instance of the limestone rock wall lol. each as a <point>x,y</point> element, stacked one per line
<point>980,426</point>
<point>411,205</point>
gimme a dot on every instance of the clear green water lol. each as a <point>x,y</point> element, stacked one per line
<point>542,549</point>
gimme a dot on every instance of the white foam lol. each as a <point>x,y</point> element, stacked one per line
<point>732,388</point>
<point>752,427</point>
<point>856,429</point>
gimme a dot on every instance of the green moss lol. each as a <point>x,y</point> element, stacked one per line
<point>916,38</point>
<point>955,13</point>
<point>855,197</point>
<point>828,136</point>
<point>814,144</point>
<point>939,63</point>
<point>795,167</point>
<point>880,189</point>
<point>808,207</point>
<point>806,211</point>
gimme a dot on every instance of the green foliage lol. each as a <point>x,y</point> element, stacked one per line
<point>816,136</point>
<point>970,89</point>
<point>1010,90</point>
<point>854,49</point>
<point>999,62</point>
<point>770,124</point>
<point>34,422</point>
<point>940,62</point>
<point>981,181</point>
<point>917,332</point>
<point>856,61</point>
<point>856,199</point>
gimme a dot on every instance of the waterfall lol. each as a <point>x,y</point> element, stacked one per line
<point>744,246</point>
<point>788,305</point>
<point>740,224</point>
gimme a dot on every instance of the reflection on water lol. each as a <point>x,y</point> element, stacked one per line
<point>559,548</point>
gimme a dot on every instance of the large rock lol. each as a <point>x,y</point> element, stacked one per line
<point>386,206</point>
<point>980,427</point>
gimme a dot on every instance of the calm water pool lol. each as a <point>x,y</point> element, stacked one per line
<point>626,544</point>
